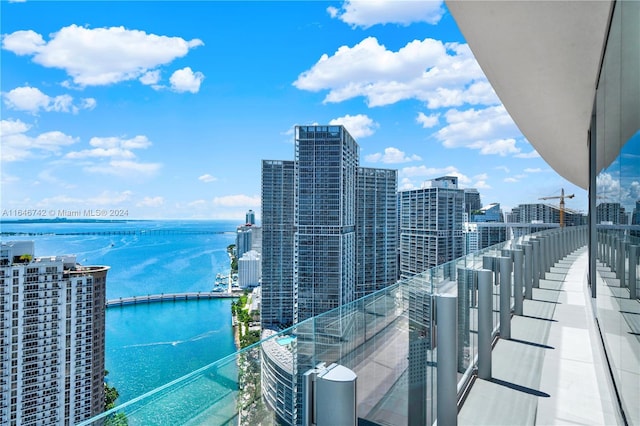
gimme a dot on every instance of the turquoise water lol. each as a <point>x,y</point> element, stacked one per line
<point>150,345</point>
<point>284,341</point>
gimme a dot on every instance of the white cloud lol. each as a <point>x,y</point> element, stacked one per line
<point>109,198</point>
<point>49,178</point>
<point>368,13</point>
<point>151,202</point>
<point>358,126</point>
<point>423,173</point>
<point>99,56</point>
<point>481,184</point>
<point>112,147</point>
<point>88,103</point>
<point>114,156</point>
<point>610,189</point>
<point>32,100</point>
<point>185,80</point>
<point>206,178</point>
<point>406,184</point>
<point>503,168</point>
<point>490,130</point>
<point>23,42</point>
<point>124,168</point>
<point>105,198</point>
<point>531,170</point>
<point>510,180</point>
<point>150,77</point>
<point>532,154</point>
<point>12,127</point>
<point>17,145</point>
<point>197,203</point>
<point>392,156</point>
<point>237,201</point>
<point>428,121</point>
<point>440,74</point>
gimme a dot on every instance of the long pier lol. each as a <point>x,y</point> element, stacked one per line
<point>169,297</point>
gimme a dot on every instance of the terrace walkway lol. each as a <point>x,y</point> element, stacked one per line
<point>552,370</point>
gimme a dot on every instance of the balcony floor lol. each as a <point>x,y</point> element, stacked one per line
<point>552,370</point>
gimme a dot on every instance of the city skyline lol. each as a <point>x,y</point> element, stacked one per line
<point>108,106</point>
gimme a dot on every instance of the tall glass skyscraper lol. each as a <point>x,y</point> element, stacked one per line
<point>329,237</point>
<point>376,229</point>
<point>325,201</point>
<point>332,220</point>
<point>431,222</point>
<point>277,243</point>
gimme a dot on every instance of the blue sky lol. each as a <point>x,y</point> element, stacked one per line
<point>166,109</point>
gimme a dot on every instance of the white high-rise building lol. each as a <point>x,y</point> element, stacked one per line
<point>249,269</point>
<point>52,342</point>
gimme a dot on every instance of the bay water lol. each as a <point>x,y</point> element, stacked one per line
<point>151,344</point>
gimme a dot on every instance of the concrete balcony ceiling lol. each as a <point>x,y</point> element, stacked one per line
<point>542,59</point>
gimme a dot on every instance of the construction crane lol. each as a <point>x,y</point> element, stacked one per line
<point>562,197</point>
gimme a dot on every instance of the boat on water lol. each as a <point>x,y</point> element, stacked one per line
<point>221,284</point>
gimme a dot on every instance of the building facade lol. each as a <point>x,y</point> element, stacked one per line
<point>431,225</point>
<point>278,243</point>
<point>545,213</point>
<point>611,214</point>
<point>248,237</point>
<point>53,337</point>
<point>329,237</point>
<point>250,217</point>
<point>326,164</point>
<point>489,213</point>
<point>376,229</point>
<point>472,201</point>
<point>249,270</point>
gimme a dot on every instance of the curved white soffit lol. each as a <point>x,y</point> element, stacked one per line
<point>542,59</point>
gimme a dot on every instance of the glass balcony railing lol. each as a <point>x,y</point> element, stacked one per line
<point>387,338</point>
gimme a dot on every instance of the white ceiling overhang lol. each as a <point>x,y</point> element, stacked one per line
<point>542,59</point>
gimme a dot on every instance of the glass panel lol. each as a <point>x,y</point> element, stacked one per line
<point>618,203</point>
<point>386,338</point>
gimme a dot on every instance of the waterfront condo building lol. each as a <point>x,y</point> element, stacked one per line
<point>331,219</point>
<point>431,224</point>
<point>329,237</point>
<point>52,344</point>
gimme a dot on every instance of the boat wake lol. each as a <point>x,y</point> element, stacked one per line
<point>175,342</point>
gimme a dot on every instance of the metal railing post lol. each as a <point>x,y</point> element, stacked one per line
<point>621,257</point>
<point>447,393</point>
<point>505,297</point>
<point>517,282</point>
<point>528,274</point>
<point>485,323</point>
<point>466,278</point>
<point>633,270</point>
<point>535,263</point>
